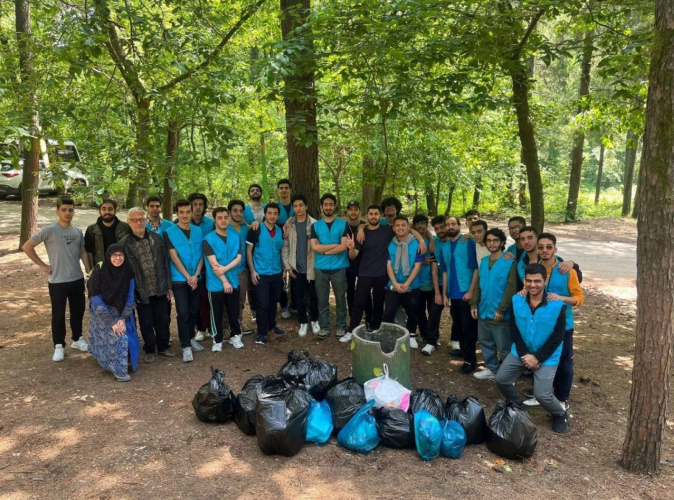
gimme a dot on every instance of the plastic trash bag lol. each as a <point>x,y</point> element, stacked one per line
<point>360,433</point>
<point>387,392</point>
<point>295,368</point>
<point>470,414</point>
<point>320,377</point>
<point>453,439</point>
<point>426,399</point>
<point>511,432</point>
<point>214,401</point>
<point>427,435</point>
<point>395,427</point>
<point>281,417</point>
<point>345,399</point>
<point>246,401</point>
<point>319,422</point>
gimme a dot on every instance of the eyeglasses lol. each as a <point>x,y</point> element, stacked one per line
<point>514,228</point>
<point>117,256</point>
<point>490,240</point>
<point>138,220</point>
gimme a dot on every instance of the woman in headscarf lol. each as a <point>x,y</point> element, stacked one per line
<point>113,339</point>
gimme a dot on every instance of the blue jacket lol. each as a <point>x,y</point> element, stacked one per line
<point>493,284</point>
<point>189,251</point>
<point>267,252</point>
<point>537,330</point>
<point>330,237</point>
<point>224,254</point>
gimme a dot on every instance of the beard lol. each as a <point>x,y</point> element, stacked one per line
<point>108,217</point>
<point>255,197</point>
<point>452,232</point>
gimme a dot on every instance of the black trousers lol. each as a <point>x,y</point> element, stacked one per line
<point>153,322</point>
<point>426,301</point>
<point>72,293</point>
<point>466,328</point>
<point>409,301</point>
<point>351,284</point>
<point>187,309</point>
<point>268,292</point>
<point>304,291</point>
<point>433,324</point>
<point>369,294</point>
<point>221,302</point>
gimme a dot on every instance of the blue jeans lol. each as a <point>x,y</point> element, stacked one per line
<point>564,375</point>
<point>187,309</point>
<point>493,337</point>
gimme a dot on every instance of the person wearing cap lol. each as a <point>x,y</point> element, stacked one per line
<point>353,222</point>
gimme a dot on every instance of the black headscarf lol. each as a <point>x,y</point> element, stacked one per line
<point>110,282</point>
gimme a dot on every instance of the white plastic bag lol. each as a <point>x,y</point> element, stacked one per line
<point>387,392</point>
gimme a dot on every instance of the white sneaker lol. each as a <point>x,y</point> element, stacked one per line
<point>485,374</point>
<point>456,345</point>
<point>80,344</point>
<point>315,327</point>
<point>187,355</point>
<point>532,402</point>
<point>59,353</point>
<point>346,337</point>
<point>200,336</point>
<point>217,347</point>
<point>413,343</point>
<point>235,342</point>
<point>196,345</point>
<point>340,333</point>
<point>303,330</point>
<point>428,350</point>
<point>285,313</point>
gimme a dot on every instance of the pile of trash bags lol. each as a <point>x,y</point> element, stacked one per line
<point>306,403</point>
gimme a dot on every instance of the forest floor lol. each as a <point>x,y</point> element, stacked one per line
<point>69,430</point>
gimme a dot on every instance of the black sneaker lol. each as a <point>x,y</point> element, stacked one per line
<point>560,424</point>
<point>260,340</point>
<point>467,369</point>
<point>167,354</point>
<point>278,331</point>
<point>457,353</point>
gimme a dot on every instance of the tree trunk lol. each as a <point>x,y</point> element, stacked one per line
<point>477,192</point>
<point>367,197</point>
<point>31,155</point>
<point>630,160</point>
<point>600,171</point>
<point>449,200</point>
<point>138,180</point>
<point>522,191</point>
<point>431,208</point>
<point>579,135</point>
<point>655,259</point>
<point>172,144</point>
<point>300,105</point>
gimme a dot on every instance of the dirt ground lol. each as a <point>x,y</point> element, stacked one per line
<point>69,430</point>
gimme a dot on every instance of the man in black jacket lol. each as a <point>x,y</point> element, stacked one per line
<point>107,230</point>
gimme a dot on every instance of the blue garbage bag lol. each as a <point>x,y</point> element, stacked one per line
<point>453,439</point>
<point>319,422</point>
<point>427,434</point>
<point>360,433</point>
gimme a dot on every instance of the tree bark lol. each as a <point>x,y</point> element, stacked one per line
<point>600,171</point>
<point>448,210</point>
<point>579,135</point>
<point>431,208</point>
<point>31,155</point>
<point>300,105</point>
<point>367,197</point>
<point>628,175</point>
<point>477,192</point>
<point>655,259</point>
<point>172,147</point>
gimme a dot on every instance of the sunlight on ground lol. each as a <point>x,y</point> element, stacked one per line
<point>107,410</point>
<point>16,495</point>
<point>61,440</point>
<point>289,482</point>
<point>627,362</point>
<point>221,463</point>
<point>6,444</point>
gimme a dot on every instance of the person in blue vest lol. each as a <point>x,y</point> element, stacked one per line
<point>254,211</point>
<point>183,242</point>
<point>246,289</point>
<point>222,250</point>
<point>427,275</point>
<point>155,222</point>
<point>390,209</point>
<point>328,242</point>
<point>537,328</point>
<point>491,302</point>
<point>514,225</point>
<point>266,270</point>
<point>403,268</point>
<point>284,190</point>
<point>459,278</point>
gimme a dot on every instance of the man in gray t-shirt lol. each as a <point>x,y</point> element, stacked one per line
<point>65,248</point>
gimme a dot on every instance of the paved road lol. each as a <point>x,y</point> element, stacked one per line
<point>10,215</point>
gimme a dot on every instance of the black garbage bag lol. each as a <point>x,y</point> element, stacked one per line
<point>395,427</point>
<point>470,414</point>
<point>246,401</point>
<point>426,399</point>
<point>214,401</point>
<point>511,432</point>
<point>281,417</point>
<point>295,369</point>
<point>345,399</point>
<point>320,377</point>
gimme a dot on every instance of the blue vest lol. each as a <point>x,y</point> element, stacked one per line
<point>512,249</point>
<point>207,225</point>
<point>559,283</point>
<point>330,237</point>
<point>537,328</point>
<point>521,266</point>
<point>493,284</point>
<point>189,251</point>
<point>242,233</point>
<point>425,278</point>
<point>248,214</point>
<point>224,254</point>
<point>412,253</point>
<point>463,274</point>
<point>283,216</point>
<point>438,249</point>
<point>267,252</point>
<point>165,224</point>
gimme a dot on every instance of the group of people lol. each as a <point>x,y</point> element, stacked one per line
<point>516,302</point>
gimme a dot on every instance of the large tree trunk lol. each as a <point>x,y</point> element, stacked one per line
<point>31,153</point>
<point>448,210</point>
<point>367,197</point>
<point>655,259</point>
<point>628,176</point>
<point>600,171</point>
<point>300,104</point>
<point>477,192</point>
<point>172,145</point>
<point>431,208</point>
<point>579,135</point>
<point>138,180</point>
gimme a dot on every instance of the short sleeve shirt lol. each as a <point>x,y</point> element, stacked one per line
<point>63,246</point>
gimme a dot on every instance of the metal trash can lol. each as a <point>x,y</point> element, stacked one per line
<point>370,350</point>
